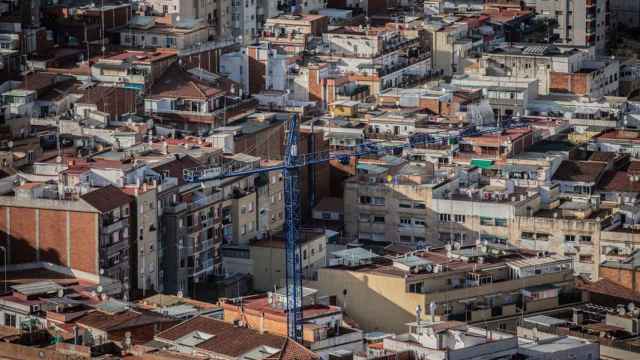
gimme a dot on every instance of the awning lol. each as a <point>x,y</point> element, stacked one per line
<point>482,164</point>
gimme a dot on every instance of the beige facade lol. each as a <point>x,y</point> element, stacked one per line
<point>268,259</point>
<point>381,301</point>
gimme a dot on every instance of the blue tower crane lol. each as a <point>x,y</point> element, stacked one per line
<point>290,168</point>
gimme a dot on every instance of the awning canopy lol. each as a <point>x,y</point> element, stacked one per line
<point>482,163</point>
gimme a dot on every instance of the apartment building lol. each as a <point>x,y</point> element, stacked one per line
<point>580,22</point>
<point>244,21</point>
<point>471,284</point>
<point>377,57</point>
<point>90,233</point>
<point>132,69</point>
<point>256,68</point>
<point>293,33</point>
<point>324,328</point>
<point>391,205</point>
<point>507,97</point>
<point>191,229</point>
<point>184,9</point>
<point>450,44</point>
<point>624,13</point>
<point>558,69</point>
<point>187,99</point>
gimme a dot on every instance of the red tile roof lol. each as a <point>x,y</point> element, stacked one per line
<point>582,171</point>
<point>227,339</point>
<point>292,350</point>
<point>107,198</point>
<point>177,83</point>
<point>609,288</point>
<point>619,181</point>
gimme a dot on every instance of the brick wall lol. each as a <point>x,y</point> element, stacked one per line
<point>623,277</point>
<point>41,235</point>
<point>569,83</point>
<point>15,351</point>
<point>315,85</point>
<point>257,71</point>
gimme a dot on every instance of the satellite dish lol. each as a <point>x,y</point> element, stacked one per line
<point>429,268</point>
<point>60,292</point>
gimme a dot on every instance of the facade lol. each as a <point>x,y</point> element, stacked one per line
<point>324,328</point>
<point>192,230</point>
<point>91,234</point>
<point>558,69</point>
<point>455,280</point>
<point>580,22</point>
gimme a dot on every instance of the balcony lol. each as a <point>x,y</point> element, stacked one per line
<point>202,246</point>
<point>203,267</point>
<point>116,247</point>
<point>347,336</point>
<point>110,225</point>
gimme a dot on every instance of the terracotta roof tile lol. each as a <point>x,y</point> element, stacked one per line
<point>619,181</point>
<point>177,83</point>
<point>583,171</point>
<point>106,198</point>
<point>292,350</point>
<point>227,339</point>
<point>608,287</point>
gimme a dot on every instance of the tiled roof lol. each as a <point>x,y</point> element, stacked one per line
<point>582,171</point>
<point>106,198</point>
<point>177,166</point>
<point>227,339</point>
<point>619,181</point>
<point>177,83</point>
<point>602,156</point>
<point>608,287</point>
<point>124,320</point>
<point>292,350</point>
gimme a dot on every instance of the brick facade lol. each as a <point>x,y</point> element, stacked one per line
<point>625,277</point>
<point>576,83</point>
<point>63,237</point>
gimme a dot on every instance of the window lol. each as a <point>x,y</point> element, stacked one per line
<point>10,320</point>
<point>273,199</point>
<point>445,218</point>
<point>378,219</point>
<point>405,221</point>
<point>250,207</point>
<point>405,238</point>
<point>304,254</point>
<point>586,259</point>
<point>486,221</point>
<point>320,247</point>
<point>419,205</point>
<point>364,217</point>
<point>585,238</point>
<point>459,218</point>
<point>569,238</point>
<point>501,222</point>
<point>243,210</point>
<point>379,201</point>
<point>365,199</point>
<point>404,205</point>
<point>445,236</point>
<point>527,236</point>
<point>244,229</point>
<point>418,222</point>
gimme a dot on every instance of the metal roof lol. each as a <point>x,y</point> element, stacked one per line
<point>355,254</point>
<point>544,320</point>
<point>38,287</point>
<point>412,261</point>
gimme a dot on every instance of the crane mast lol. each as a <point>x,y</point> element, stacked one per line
<point>293,161</point>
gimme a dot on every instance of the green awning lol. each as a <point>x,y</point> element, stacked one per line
<point>482,164</point>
